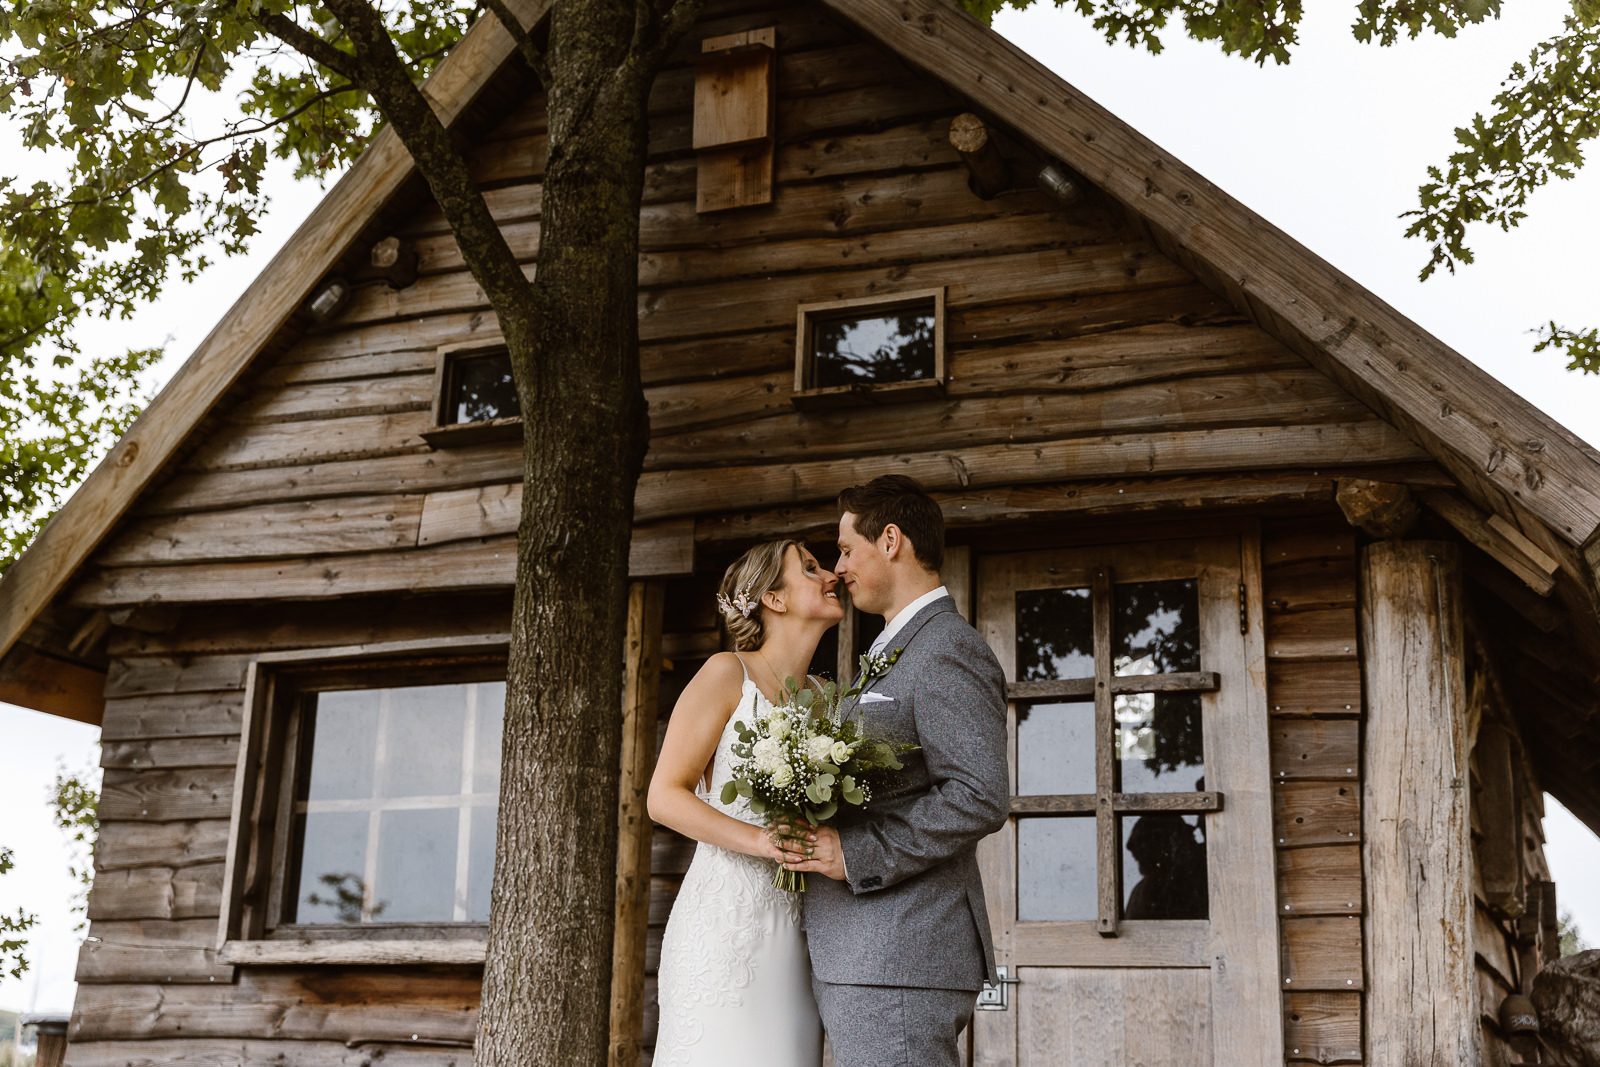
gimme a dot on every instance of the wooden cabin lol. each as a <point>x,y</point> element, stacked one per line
<point>1298,606</point>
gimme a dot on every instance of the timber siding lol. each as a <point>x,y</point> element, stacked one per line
<point>1076,352</point>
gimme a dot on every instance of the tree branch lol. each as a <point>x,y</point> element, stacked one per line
<point>310,45</point>
<point>530,52</point>
<point>383,74</point>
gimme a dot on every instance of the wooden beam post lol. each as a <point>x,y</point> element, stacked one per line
<point>640,699</point>
<point>989,174</point>
<point>1417,850</point>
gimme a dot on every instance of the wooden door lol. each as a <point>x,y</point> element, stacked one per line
<point>1132,892</point>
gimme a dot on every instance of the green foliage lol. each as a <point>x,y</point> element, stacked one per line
<point>12,960</point>
<point>1572,941</point>
<point>156,121</point>
<point>74,805</point>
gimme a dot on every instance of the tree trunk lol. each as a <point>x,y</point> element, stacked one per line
<point>547,978</point>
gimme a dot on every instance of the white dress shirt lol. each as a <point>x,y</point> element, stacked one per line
<point>903,616</point>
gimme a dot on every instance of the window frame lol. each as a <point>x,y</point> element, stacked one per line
<point>806,395</point>
<point>443,434</point>
<point>263,801</point>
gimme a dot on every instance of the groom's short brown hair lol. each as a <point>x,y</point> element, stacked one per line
<point>901,500</point>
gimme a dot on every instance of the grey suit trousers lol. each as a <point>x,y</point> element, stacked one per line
<point>893,1026</point>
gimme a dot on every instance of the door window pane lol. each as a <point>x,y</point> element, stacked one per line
<point>396,803</point>
<point>1159,743</point>
<point>1055,634</point>
<point>1055,869</point>
<point>1156,627</point>
<point>1055,749</point>
<point>1163,867</point>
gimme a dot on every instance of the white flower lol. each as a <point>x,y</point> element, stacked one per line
<point>819,747</point>
<point>767,753</point>
<point>839,753</point>
<point>778,727</point>
<point>782,775</point>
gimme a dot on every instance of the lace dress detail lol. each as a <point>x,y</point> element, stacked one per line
<point>735,978</point>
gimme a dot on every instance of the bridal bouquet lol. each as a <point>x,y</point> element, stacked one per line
<point>801,760</point>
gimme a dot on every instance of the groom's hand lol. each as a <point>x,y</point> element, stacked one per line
<point>815,849</point>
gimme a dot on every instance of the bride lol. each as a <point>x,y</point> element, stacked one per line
<point>735,979</point>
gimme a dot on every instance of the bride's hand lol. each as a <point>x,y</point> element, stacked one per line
<point>771,842</point>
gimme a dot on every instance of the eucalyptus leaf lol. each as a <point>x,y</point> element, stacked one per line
<point>729,793</point>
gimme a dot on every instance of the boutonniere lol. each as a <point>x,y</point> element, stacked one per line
<point>877,664</point>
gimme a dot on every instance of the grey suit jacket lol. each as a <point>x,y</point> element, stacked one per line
<point>912,913</point>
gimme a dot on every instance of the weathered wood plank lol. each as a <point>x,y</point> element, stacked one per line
<point>1326,634</point>
<point>1323,1027</point>
<point>140,675</point>
<point>275,627</point>
<point>1316,748</point>
<point>132,718</point>
<point>1259,399</point>
<point>316,440</point>
<point>342,524</point>
<point>222,1052</point>
<point>157,893</point>
<point>1316,541</point>
<point>663,493</point>
<point>1492,949</point>
<point>164,795</point>
<point>437,1006</point>
<point>1417,859</point>
<point>165,844</point>
<point>1329,688</point>
<point>1320,881</point>
<point>1322,953</point>
<point>323,399</point>
<point>144,754</point>
<point>152,951</point>
<point>1316,813</point>
<point>1311,586</point>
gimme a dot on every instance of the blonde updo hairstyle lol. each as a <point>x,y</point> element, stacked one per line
<point>754,574</point>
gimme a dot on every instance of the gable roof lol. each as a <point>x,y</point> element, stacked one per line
<point>1512,460</point>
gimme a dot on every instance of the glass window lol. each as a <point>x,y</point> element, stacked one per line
<point>480,388</point>
<point>1148,716</point>
<point>874,347</point>
<point>395,805</point>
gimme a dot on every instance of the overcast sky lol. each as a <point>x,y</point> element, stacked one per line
<point>1330,148</point>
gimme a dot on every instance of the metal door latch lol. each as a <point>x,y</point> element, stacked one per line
<point>996,997</point>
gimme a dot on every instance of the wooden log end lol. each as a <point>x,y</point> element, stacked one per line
<point>989,173</point>
<point>1382,509</point>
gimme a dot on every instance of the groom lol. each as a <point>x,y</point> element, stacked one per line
<point>899,934</point>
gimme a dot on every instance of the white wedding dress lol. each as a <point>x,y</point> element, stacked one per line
<point>735,978</point>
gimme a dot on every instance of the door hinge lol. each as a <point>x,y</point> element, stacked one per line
<point>997,997</point>
<point>1244,611</point>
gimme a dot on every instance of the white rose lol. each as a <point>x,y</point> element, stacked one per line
<point>767,753</point>
<point>839,753</point>
<point>779,727</point>
<point>783,775</point>
<point>818,748</point>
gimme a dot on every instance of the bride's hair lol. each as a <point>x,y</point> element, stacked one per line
<point>747,580</point>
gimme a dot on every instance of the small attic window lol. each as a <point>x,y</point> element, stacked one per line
<point>873,350</point>
<point>475,397</point>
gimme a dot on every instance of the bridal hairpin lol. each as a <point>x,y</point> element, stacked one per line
<point>741,604</point>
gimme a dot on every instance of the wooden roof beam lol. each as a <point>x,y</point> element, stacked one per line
<point>1496,537</point>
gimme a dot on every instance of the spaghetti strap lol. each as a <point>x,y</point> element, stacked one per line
<point>742,666</point>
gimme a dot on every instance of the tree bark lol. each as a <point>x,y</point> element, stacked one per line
<point>547,978</point>
<point>573,337</point>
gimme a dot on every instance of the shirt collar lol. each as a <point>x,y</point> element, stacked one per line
<point>905,615</point>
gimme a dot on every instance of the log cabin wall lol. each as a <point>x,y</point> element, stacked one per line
<point>1310,580</point>
<point>313,514</point>
<point>1514,914</point>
